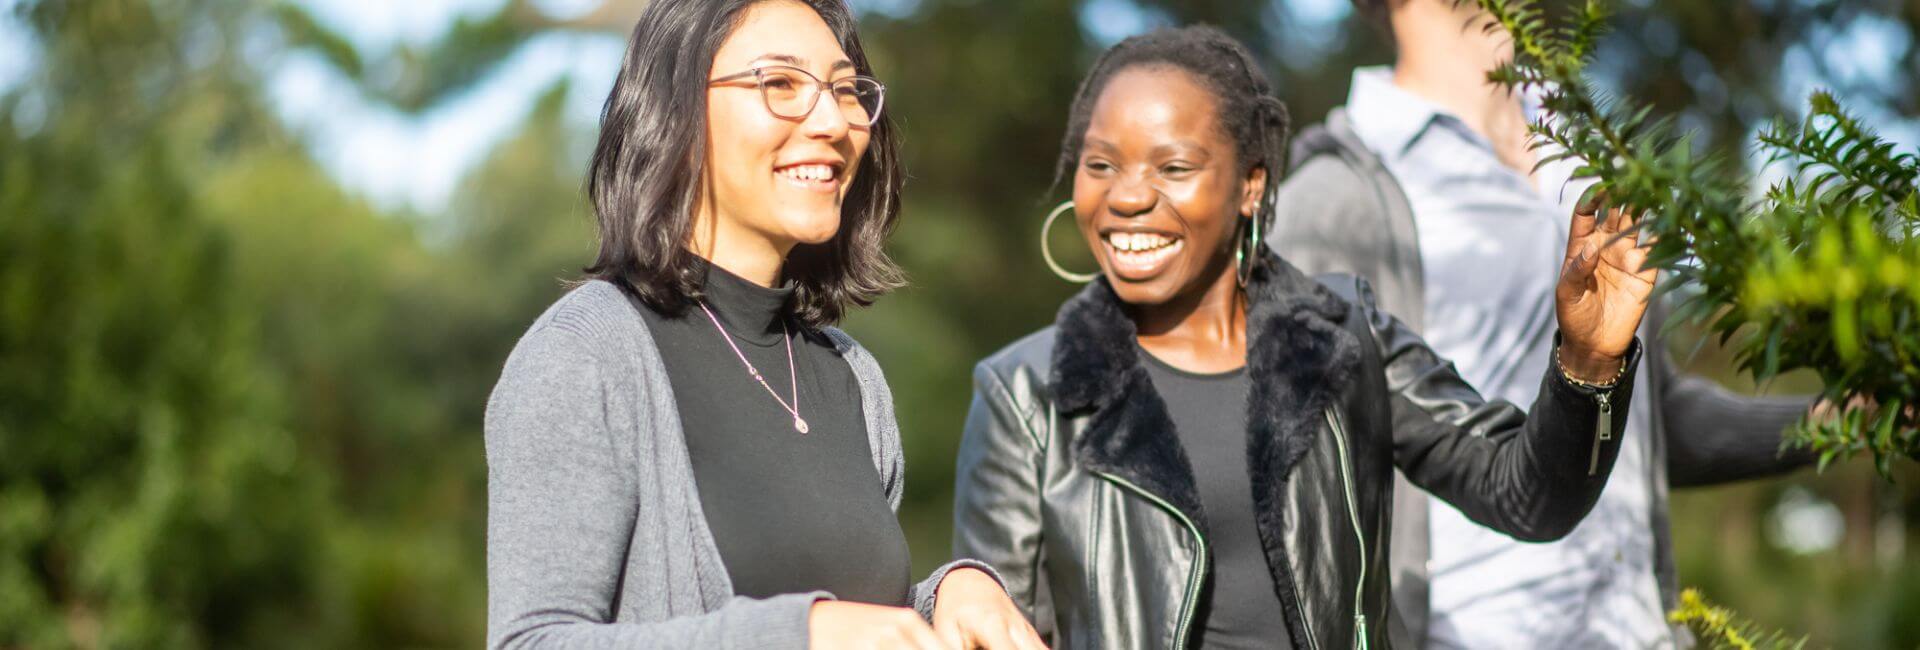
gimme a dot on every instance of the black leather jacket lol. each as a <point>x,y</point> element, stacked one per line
<point>1072,483</point>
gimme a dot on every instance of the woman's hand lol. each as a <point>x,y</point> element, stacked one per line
<point>971,610</point>
<point>1603,292</point>
<point>837,625</point>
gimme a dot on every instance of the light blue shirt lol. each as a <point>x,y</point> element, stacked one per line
<point>1491,241</point>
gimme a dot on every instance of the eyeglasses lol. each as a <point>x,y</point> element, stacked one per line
<point>792,93</point>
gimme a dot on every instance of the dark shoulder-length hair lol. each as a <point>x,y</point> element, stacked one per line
<point>647,171</point>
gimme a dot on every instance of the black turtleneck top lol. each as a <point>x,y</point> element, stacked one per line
<point>790,512</point>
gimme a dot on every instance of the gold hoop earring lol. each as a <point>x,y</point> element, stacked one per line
<point>1046,252</point>
<point>1247,253</point>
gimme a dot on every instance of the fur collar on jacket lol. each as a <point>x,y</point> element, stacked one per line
<point>1300,359</point>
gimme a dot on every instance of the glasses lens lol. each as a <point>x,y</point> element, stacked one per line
<point>859,99</point>
<point>784,91</point>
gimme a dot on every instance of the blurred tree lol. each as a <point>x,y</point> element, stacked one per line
<point>150,492</point>
<point>240,406</point>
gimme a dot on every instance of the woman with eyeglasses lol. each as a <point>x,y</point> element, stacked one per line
<point>654,478</point>
<point>1200,451</point>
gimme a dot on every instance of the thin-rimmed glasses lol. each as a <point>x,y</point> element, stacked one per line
<point>792,93</point>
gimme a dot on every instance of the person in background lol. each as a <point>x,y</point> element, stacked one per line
<point>1426,184</point>
<point>1199,452</point>
<point>653,479</point>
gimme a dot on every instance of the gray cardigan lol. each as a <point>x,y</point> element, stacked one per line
<point>595,537</point>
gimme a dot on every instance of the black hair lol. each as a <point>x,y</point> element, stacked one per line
<point>1253,118</point>
<point>1376,12</point>
<point>648,169</point>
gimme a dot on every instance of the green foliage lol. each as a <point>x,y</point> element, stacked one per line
<point>240,407</point>
<point>148,484</point>
<point>1821,273</point>
<point>220,377</point>
<point>1721,629</point>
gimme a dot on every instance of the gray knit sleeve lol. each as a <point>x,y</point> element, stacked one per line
<point>562,499</point>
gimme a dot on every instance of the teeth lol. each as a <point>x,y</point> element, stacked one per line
<point>1133,242</point>
<point>807,172</point>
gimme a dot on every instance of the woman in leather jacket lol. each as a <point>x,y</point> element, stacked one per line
<point>1199,452</point>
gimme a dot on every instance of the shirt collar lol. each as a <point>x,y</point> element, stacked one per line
<point>1387,119</point>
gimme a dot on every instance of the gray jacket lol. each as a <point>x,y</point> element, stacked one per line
<point>1340,210</point>
<point>595,537</point>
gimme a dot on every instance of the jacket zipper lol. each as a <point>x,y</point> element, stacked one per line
<point>1192,596</point>
<point>1604,430</point>
<point>1353,513</point>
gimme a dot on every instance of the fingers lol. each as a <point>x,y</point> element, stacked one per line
<point>1006,632</point>
<point>993,636</point>
<point>1619,219</point>
<point>949,633</point>
<point>1584,219</point>
<point>1629,256</point>
<point>1580,263</point>
<point>1024,636</point>
<point>919,636</point>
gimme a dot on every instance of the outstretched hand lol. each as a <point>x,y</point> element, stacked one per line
<point>1603,291</point>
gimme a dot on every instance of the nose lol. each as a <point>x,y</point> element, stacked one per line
<point>1131,196</point>
<point>825,121</point>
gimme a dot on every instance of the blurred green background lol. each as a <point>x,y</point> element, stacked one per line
<point>260,264</point>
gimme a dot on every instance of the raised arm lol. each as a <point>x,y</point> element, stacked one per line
<point>1533,475</point>
<point>1529,474</point>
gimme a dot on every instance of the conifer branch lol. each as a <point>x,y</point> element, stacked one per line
<point>1822,272</point>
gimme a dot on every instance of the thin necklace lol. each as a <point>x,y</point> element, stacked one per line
<point>798,423</point>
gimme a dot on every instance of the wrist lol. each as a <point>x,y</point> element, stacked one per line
<point>1590,368</point>
<point>961,578</point>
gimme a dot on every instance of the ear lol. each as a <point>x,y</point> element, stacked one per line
<point>1255,187</point>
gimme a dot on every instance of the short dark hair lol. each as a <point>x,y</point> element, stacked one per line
<point>1254,119</point>
<point>646,176</point>
<point>1376,12</point>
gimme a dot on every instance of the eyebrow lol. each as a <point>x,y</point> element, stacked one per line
<point>1177,147</point>
<point>801,62</point>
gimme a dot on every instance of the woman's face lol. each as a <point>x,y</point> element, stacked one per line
<point>774,180</point>
<point>1158,190</point>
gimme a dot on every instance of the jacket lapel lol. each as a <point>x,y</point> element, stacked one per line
<point>1097,369</point>
<point>1302,358</point>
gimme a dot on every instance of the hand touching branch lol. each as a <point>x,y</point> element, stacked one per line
<point>1603,291</point>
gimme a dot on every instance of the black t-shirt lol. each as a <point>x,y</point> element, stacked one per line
<point>790,512</point>
<point>1238,607</point>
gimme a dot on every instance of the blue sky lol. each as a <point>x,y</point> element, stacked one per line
<point>401,160</point>
<point>416,160</point>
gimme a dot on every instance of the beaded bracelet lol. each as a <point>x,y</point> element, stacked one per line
<point>1608,385</point>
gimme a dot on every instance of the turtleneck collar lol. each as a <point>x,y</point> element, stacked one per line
<point>751,313</point>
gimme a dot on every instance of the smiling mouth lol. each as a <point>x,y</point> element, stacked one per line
<point>818,177</point>
<point>1140,255</point>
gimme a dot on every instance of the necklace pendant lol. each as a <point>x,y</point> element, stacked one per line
<point>799,424</point>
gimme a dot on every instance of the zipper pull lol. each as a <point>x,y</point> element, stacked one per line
<point>1360,632</point>
<point>1603,431</point>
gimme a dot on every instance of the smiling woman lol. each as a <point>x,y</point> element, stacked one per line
<point>671,158</point>
<point>1200,452</point>
<point>653,480</point>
